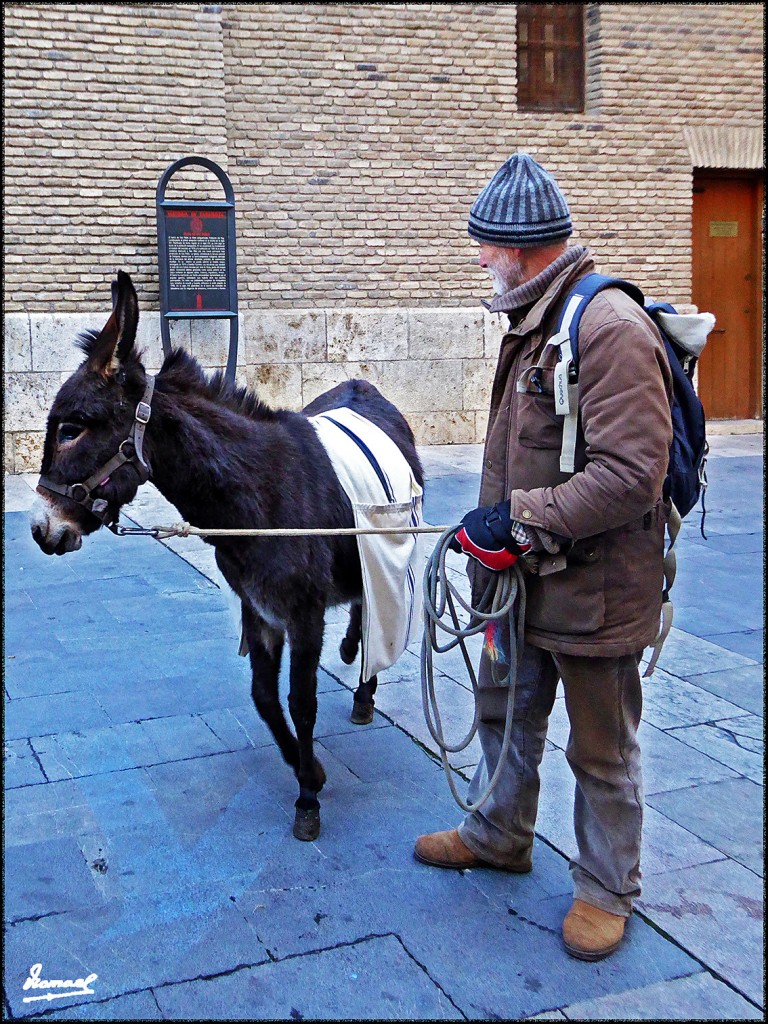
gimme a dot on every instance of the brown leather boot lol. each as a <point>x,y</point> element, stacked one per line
<point>446,850</point>
<point>590,933</point>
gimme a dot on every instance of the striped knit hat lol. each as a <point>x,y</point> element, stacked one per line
<point>520,206</point>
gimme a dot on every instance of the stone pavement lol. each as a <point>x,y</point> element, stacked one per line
<point>148,814</point>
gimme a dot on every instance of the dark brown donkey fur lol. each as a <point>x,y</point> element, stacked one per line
<point>226,460</point>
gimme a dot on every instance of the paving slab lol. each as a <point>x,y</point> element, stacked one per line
<point>125,745</point>
<point>446,911</point>
<point>402,702</point>
<point>131,947</point>
<point>33,876</point>
<point>716,911</point>
<point>728,544</point>
<point>53,713</point>
<point>18,493</point>
<point>697,997</point>
<point>238,725</point>
<point>735,742</point>
<point>744,687</point>
<point>20,765</point>
<point>107,803</point>
<point>157,695</point>
<point>518,984</point>
<point>670,763</point>
<point>142,1006</point>
<point>457,494</point>
<point>685,655</point>
<point>727,815</point>
<point>669,702</point>
<point>749,643</point>
<point>374,978</point>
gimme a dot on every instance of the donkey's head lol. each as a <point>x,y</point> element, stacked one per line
<point>82,485</point>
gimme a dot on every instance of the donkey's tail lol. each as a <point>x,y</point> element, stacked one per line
<point>350,645</point>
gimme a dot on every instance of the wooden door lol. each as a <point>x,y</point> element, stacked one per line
<point>727,281</point>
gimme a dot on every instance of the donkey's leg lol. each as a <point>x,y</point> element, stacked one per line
<point>306,640</point>
<point>265,646</point>
<point>351,643</point>
<point>362,705</point>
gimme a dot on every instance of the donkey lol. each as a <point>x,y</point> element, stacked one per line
<point>225,460</point>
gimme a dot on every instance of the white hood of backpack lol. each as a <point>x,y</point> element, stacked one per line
<point>689,330</point>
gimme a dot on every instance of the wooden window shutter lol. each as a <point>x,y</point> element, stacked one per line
<point>550,57</point>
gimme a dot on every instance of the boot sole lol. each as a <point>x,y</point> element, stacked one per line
<point>471,864</point>
<point>591,955</point>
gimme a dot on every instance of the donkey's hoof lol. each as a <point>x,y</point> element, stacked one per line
<point>306,825</point>
<point>347,651</point>
<point>362,713</point>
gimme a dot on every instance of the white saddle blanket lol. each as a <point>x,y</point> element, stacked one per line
<point>384,493</point>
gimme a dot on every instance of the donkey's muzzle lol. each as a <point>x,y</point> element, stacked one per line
<point>52,535</point>
<point>62,542</point>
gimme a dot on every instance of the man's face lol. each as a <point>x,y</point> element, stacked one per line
<point>504,266</point>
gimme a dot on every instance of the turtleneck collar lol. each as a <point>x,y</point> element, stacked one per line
<point>528,292</point>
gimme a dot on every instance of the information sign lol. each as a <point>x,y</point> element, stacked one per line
<point>196,256</point>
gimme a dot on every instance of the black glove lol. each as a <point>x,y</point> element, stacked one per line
<point>487,535</point>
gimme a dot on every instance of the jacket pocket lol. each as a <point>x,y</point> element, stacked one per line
<point>538,426</point>
<point>571,602</point>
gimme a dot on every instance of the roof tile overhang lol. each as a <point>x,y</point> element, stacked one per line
<point>725,146</point>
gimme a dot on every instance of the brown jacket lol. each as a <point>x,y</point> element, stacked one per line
<point>607,600</point>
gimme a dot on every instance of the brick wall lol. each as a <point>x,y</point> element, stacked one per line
<point>100,98</point>
<point>356,138</point>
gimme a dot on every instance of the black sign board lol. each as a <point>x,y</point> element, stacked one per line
<point>196,255</point>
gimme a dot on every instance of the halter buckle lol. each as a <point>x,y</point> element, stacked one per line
<point>143,412</point>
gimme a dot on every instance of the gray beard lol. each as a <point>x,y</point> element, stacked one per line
<point>503,285</point>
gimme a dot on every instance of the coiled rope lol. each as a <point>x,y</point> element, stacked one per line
<point>497,603</point>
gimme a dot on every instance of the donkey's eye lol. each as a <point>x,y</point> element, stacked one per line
<point>69,431</point>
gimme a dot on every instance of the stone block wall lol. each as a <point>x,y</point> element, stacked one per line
<point>288,356</point>
<point>356,138</point>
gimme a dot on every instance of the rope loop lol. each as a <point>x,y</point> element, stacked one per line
<point>496,604</point>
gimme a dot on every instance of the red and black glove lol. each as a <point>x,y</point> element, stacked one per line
<point>491,536</point>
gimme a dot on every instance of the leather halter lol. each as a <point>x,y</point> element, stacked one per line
<point>131,450</point>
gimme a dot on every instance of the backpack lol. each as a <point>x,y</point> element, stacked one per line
<point>684,337</point>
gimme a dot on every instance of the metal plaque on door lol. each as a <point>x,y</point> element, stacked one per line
<point>723,229</point>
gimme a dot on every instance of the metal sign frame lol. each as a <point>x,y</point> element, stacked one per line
<point>198,264</point>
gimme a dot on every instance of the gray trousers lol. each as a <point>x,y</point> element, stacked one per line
<point>603,698</point>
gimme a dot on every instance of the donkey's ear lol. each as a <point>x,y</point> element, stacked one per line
<point>116,339</point>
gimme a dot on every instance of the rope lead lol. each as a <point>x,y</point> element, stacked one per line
<point>497,603</point>
<point>187,530</point>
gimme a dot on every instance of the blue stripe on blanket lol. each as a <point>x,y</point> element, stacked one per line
<point>369,455</point>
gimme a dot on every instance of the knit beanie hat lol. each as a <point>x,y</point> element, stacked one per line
<point>520,206</point>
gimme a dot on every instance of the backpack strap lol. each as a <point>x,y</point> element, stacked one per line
<point>566,339</point>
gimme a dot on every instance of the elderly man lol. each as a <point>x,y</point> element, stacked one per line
<point>594,606</point>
